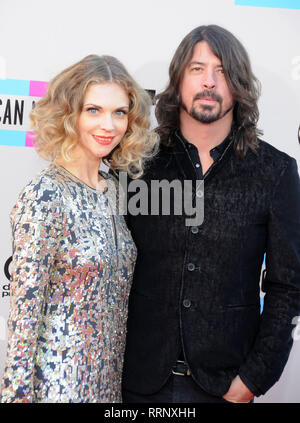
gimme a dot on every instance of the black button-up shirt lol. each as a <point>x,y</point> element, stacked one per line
<point>215,153</point>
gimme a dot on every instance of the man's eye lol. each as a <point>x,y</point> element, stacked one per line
<point>196,69</point>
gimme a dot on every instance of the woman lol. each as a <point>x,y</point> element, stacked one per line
<point>73,258</point>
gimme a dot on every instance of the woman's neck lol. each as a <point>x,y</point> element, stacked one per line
<point>85,170</point>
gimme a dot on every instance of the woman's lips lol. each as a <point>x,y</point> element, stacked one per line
<point>103,140</point>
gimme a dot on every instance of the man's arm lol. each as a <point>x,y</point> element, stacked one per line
<point>267,359</point>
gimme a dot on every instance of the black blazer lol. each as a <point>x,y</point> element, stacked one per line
<point>199,287</point>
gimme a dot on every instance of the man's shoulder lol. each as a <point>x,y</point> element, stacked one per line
<point>269,159</point>
<point>267,151</point>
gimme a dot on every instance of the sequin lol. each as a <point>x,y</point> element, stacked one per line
<point>71,275</point>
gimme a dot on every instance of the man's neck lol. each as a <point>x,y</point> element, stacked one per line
<point>205,136</point>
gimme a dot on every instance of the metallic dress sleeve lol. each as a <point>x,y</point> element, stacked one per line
<point>36,228</point>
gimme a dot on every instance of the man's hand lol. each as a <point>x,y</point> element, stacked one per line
<point>238,392</point>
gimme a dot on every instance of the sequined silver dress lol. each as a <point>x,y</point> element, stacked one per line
<point>72,270</point>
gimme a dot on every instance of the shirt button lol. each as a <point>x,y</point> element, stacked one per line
<point>191,267</point>
<point>197,165</point>
<point>195,229</point>
<point>186,303</point>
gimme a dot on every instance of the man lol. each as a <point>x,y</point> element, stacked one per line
<point>195,332</point>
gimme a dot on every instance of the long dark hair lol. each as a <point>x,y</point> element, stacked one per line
<point>244,86</point>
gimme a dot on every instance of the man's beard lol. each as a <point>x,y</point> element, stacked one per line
<point>205,114</point>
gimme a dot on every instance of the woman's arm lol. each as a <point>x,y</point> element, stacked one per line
<point>35,224</point>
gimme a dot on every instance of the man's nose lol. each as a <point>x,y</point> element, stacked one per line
<point>209,81</point>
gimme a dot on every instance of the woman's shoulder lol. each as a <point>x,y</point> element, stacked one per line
<point>42,195</point>
<point>43,186</point>
<point>39,203</point>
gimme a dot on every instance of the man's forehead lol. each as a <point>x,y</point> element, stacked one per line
<point>202,53</point>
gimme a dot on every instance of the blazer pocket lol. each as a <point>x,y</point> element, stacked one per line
<point>240,306</point>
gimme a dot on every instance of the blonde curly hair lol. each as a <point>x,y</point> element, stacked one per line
<point>54,118</point>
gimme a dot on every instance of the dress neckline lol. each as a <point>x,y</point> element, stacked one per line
<point>78,180</point>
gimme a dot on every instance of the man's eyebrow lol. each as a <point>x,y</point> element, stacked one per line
<point>194,62</point>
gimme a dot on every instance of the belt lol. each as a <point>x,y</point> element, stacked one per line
<point>181,369</point>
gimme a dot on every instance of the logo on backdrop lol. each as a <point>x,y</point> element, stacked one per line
<point>17,98</point>
<point>280,4</point>
<point>7,273</point>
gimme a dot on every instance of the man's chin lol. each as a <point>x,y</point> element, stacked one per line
<point>205,118</point>
<point>206,114</point>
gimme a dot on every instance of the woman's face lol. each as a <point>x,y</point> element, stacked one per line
<point>103,120</point>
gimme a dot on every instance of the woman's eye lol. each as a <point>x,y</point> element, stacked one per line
<point>92,110</point>
<point>121,113</point>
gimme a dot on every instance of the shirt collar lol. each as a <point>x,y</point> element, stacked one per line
<point>215,152</point>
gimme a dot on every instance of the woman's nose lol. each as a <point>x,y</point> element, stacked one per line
<point>106,122</point>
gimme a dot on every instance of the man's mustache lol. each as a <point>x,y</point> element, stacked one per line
<point>210,94</point>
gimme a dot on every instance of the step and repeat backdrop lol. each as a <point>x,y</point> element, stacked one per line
<point>41,38</point>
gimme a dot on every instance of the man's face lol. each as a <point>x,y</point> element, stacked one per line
<point>205,94</point>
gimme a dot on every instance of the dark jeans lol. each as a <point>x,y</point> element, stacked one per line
<point>178,389</point>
